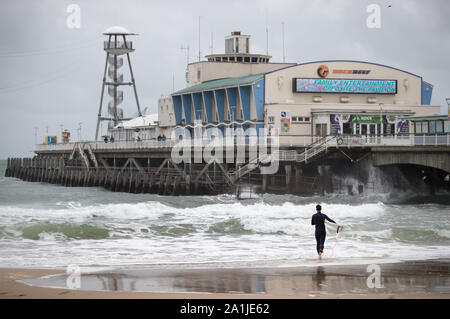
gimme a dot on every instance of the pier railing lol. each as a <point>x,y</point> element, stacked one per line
<point>348,141</point>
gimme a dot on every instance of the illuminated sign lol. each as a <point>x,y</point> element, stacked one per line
<point>305,85</point>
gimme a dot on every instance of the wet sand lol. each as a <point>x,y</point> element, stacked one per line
<point>412,279</point>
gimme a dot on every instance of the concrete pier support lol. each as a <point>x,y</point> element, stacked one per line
<point>326,182</point>
<point>265,179</point>
<point>288,170</point>
<point>298,180</point>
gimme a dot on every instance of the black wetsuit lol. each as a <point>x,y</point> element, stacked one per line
<point>318,219</point>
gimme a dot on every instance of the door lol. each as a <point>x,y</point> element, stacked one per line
<point>372,132</point>
<point>321,130</point>
<point>364,129</point>
<point>368,132</point>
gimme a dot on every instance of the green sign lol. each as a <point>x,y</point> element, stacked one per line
<point>366,119</point>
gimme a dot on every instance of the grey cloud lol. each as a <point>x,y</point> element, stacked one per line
<point>52,75</point>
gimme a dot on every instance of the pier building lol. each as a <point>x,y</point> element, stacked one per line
<point>327,117</point>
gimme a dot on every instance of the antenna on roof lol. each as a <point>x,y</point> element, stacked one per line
<point>199,39</point>
<point>282,30</point>
<point>212,43</point>
<point>187,59</point>
<point>267,37</point>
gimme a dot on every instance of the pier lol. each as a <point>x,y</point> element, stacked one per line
<point>267,127</point>
<point>147,166</point>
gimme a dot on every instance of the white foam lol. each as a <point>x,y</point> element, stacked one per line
<point>443,233</point>
<point>52,236</point>
<point>281,235</point>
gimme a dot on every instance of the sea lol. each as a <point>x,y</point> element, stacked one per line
<point>51,226</point>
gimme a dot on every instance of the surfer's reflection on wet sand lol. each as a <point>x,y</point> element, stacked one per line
<point>319,277</point>
<point>406,277</point>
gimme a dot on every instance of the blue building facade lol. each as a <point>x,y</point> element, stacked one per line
<point>237,102</point>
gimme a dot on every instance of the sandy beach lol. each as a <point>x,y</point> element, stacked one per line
<point>407,280</point>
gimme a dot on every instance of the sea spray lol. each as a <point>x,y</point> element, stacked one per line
<point>50,226</point>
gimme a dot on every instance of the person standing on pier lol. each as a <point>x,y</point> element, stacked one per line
<point>318,219</point>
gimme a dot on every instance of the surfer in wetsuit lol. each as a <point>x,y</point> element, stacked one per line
<point>318,219</point>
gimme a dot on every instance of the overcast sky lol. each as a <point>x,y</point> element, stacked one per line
<point>52,74</point>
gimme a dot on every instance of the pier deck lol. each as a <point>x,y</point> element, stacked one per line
<point>148,166</point>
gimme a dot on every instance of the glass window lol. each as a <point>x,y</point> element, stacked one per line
<point>425,127</point>
<point>306,119</point>
<point>301,118</point>
<point>392,129</point>
<point>417,127</point>
<point>432,128</point>
<point>294,119</point>
<point>347,128</point>
<point>439,126</point>
<point>447,126</point>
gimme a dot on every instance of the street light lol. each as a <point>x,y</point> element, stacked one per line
<point>381,118</point>
<point>79,131</point>
<point>448,104</point>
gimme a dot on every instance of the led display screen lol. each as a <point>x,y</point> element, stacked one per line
<point>304,85</point>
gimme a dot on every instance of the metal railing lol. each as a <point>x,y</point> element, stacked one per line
<point>392,140</point>
<point>301,141</point>
<point>101,146</point>
<point>350,141</point>
<point>118,45</point>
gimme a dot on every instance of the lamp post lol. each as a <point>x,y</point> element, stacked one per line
<point>79,131</point>
<point>448,105</point>
<point>381,119</point>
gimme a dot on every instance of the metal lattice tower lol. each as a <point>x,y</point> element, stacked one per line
<point>115,46</point>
